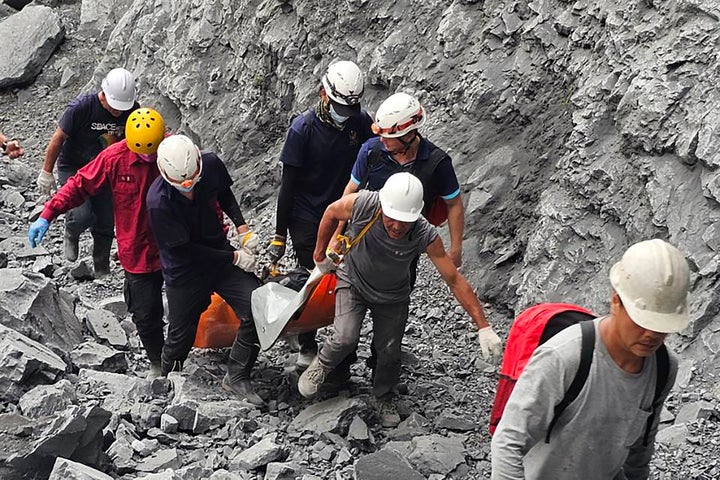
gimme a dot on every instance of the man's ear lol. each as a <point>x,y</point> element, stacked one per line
<point>615,303</point>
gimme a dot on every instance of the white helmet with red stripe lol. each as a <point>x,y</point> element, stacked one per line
<point>180,162</point>
<point>398,115</point>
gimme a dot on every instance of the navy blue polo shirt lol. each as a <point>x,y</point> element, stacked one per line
<point>445,182</point>
<point>90,129</point>
<point>189,234</point>
<point>325,156</point>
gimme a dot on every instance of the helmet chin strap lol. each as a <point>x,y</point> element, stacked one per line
<point>409,144</point>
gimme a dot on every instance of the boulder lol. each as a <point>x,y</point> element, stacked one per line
<point>435,454</point>
<point>115,392</point>
<point>259,455</point>
<point>94,356</point>
<point>332,415</point>
<point>31,304</point>
<point>29,39</point>
<point>25,363</point>
<point>65,469</point>
<point>45,400</point>
<point>383,465</point>
<point>104,326</point>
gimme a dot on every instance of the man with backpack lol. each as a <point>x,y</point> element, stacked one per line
<point>401,148</point>
<point>619,384</point>
<point>317,158</point>
<point>374,276</point>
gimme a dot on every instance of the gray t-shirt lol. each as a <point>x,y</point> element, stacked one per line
<point>378,266</point>
<point>598,437</point>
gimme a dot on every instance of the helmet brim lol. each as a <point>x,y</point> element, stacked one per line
<point>661,322</point>
<point>346,110</point>
<point>120,105</point>
<point>400,216</point>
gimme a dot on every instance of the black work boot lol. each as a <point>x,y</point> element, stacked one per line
<point>101,255</point>
<point>167,366</point>
<point>237,379</point>
<point>71,246</point>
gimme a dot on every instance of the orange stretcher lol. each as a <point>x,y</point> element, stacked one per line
<point>218,325</point>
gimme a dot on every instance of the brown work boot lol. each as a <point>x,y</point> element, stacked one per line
<point>312,378</point>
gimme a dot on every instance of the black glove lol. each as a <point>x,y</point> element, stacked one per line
<point>276,249</point>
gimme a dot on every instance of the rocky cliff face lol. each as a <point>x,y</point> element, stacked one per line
<point>577,128</point>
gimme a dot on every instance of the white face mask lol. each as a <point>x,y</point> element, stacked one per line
<point>337,118</point>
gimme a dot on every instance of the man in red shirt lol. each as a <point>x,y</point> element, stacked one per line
<point>129,168</point>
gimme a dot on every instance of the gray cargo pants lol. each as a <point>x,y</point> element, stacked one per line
<point>388,325</point>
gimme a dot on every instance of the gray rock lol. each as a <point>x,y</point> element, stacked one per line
<point>75,433</point>
<point>451,421</point>
<point>94,356</point>
<point>115,392</point>
<point>260,454</point>
<point>31,304</point>
<point>383,465</point>
<point>105,328</point>
<point>145,447</point>
<point>25,363</point>
<point>281,471</point>
<point>65,469</point>
<point>102,16</point>
<point>413,426</point>
<point>225,475</point>
<point>46,400</point>
<point>691,412</point>
<point>31,36</point>
<point>437,454</point>
<point>168,423</point>
<point>332,415</point>
<point>121,455</point>
<point>115,305</point>
<point>146,415</point>
<point>673,436</point>
<point>160,460</point>
<point>358,430</point>
<point>185,414</point>
<point>13,199</point>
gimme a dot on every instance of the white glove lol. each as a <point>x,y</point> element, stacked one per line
<point>250,241</point>
<point>490,343</point>
<point>244,259</point>
<point>46,182</point>
<point>326,266</point>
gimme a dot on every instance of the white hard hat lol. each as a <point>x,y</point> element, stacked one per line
<point>344,84</point>
<point>397,115</point>
<point>119,89</point>
<point>179,162</point>
<point>653,280</point>
<point>401,198</point>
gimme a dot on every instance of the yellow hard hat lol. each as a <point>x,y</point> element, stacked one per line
<point>144,130</point>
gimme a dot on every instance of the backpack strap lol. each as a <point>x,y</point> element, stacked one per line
<point>662,363</point>
<point>374,157</point>
<point>587,349</point>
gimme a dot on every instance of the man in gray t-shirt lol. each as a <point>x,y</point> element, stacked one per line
<point>603,434</point>
<point>375,276</point>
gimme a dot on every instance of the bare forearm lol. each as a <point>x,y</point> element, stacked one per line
<point>456,224</point>
<point>52,152</point>
<point>325,232</point>
<point>469,301</point>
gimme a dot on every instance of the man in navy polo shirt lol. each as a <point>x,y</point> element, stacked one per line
<point>90,124</point>
<point>317,158</point>
<point>197,258</point>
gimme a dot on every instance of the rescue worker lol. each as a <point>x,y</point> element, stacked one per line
<point>11,148</point>
<point>375,276</point>
<point>128,169</point>
<point>89,124</point>
<point>317,157</point>
<point>198,259</point>
<point>401,148</point>
<point>608,431</point>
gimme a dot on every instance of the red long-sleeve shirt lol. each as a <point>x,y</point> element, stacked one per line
<point>129,179</point>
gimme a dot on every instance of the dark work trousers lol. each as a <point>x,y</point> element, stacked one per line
<point>304,238</point>
<point>95,214</point>
<point>143,296</point>
<point>388,326</point>
<point>188,301</point>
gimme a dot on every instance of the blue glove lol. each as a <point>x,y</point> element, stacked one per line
<point>37,231</point>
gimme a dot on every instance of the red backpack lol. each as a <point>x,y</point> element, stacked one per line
<point>535,326</point>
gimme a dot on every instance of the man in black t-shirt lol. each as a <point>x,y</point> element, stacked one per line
<point>90,124</point>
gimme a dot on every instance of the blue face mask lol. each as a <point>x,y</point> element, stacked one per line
<point>337,118</point>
